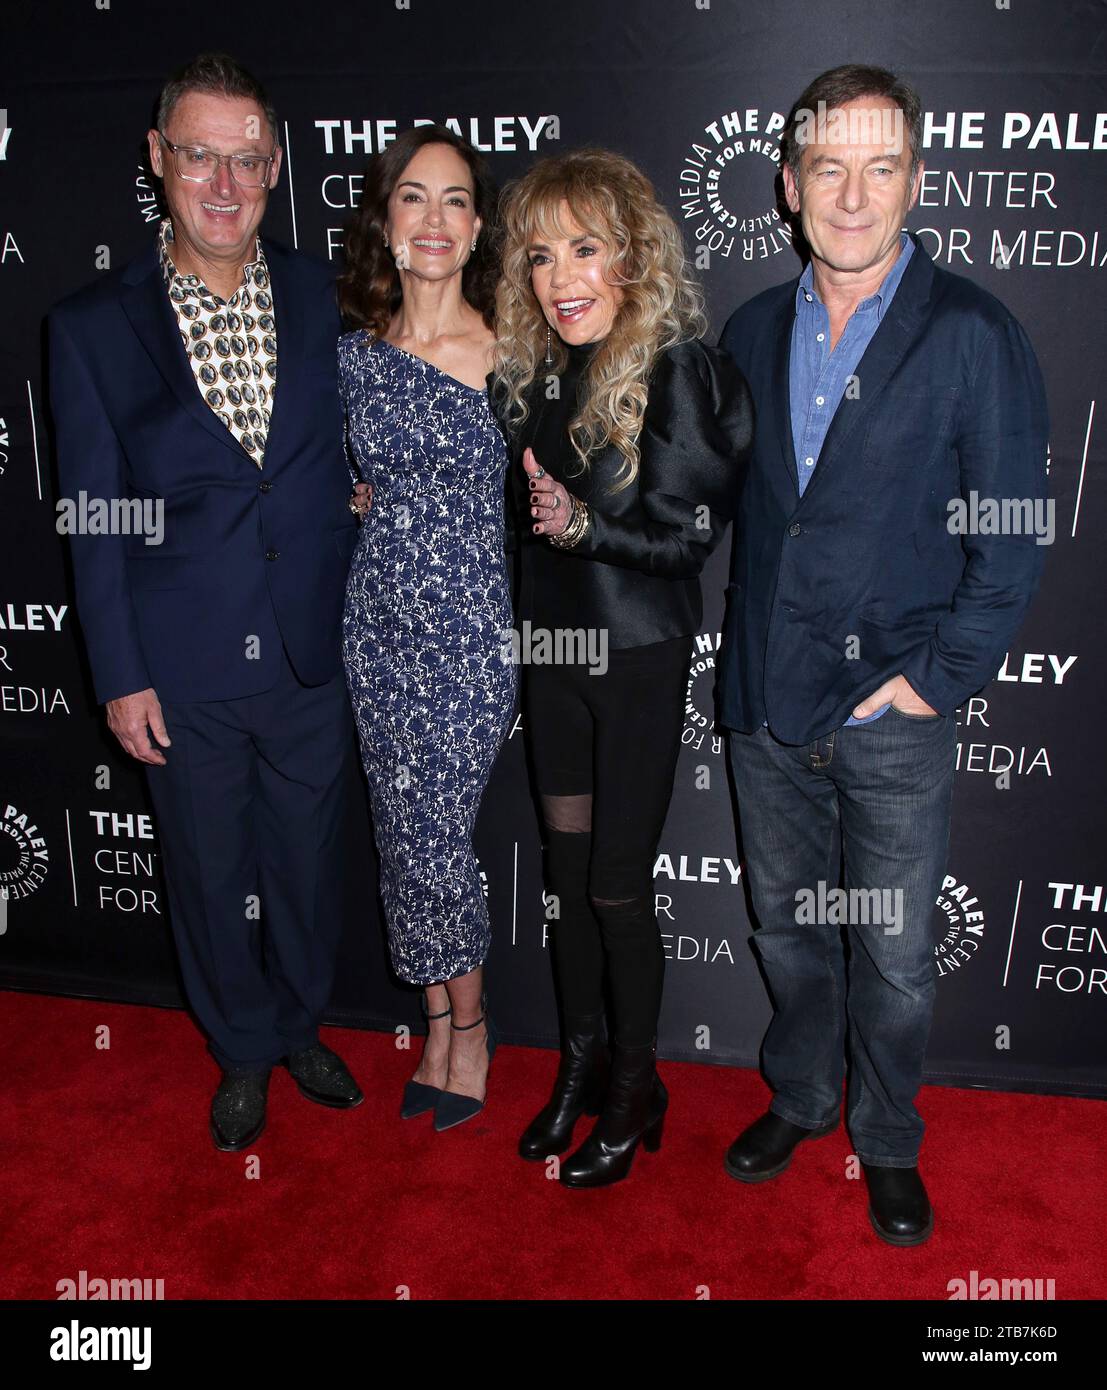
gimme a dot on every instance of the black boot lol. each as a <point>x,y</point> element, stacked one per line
<point>764,1149</point>
<point>634,1110</point>
<point>578,1090</point>
<point>899,1208</point>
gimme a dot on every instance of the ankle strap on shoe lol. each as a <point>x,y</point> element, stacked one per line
<point>464,1027</point>
<point>446,1012</point>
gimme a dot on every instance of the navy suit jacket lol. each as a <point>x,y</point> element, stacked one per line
<point>862,579</point>
<point>247,553</point>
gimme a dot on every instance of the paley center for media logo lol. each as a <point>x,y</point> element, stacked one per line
<point>24,859</point>
<point>700,733</point>
<point>961,933</point>
<point>726,187</point>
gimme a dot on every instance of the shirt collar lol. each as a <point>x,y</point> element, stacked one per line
<point>882,295</point>
<point>192,284</point>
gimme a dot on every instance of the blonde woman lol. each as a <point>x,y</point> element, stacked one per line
<point>629,438</point>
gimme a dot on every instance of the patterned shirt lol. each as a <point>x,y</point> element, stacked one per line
<point>231,344</point>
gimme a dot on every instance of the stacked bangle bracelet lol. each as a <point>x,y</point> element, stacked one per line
<point>578,524</point>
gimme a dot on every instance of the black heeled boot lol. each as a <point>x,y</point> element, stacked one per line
<point>633,1111</point>
<point>578,1090</point>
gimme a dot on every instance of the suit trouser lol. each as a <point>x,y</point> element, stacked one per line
<point>249,807</point>
<point>875,800</point>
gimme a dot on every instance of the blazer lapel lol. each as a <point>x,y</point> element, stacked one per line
<point>146,304</point>
<point>887,348</point>
<point>781,386</point>
<point>288,317</point>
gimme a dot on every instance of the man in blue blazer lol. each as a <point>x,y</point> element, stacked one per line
<point>214,633</point>
<point>865,606</point>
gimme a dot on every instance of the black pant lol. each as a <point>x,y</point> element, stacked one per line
<point>605,751</point>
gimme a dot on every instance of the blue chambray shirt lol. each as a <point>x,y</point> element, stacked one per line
<point>817,377</point>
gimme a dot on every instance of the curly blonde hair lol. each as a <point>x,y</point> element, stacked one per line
<point>644,255</point>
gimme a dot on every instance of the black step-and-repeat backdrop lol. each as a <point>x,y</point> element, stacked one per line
<point>695,91</point>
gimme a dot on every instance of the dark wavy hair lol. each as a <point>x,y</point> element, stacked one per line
<point>835,87</point>
<point>369,286</point>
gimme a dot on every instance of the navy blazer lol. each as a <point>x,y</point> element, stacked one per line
<point>862,579</point>
<point>250,557</point>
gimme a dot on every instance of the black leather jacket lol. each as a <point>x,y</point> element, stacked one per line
<point>636,571</point>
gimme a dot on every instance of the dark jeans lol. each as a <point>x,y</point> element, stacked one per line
<point>877,795</point>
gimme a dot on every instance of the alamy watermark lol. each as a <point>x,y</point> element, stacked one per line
<point>859,907</point>
<point>860,125</point>
<point>986,1288</point>
<point>115,516</point>
<point>557,646</point>
<point>1002,516</point>
<point>91,1289</point>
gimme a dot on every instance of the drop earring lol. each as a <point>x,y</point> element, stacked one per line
<point>549,347</point>
<point>384,238</point>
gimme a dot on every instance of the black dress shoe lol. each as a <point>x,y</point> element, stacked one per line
<point>765,1148</point>
<point>579,1089</point>
<point>238,1108</point>
<point>899,1208</point>
<point>322,1077</point>
<point>633,1113</point>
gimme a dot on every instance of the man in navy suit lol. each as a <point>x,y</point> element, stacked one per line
<point>862,612</point>
<point>221,644</point>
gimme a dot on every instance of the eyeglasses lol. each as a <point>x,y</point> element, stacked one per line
<point>200,166</point>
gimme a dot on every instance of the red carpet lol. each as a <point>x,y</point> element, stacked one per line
<point>108,1167</point>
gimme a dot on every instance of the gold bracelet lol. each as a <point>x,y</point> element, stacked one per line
<point>578,525</point>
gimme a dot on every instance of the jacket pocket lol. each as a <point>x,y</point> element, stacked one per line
<point>345,539</point>
<point>909,429</point>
